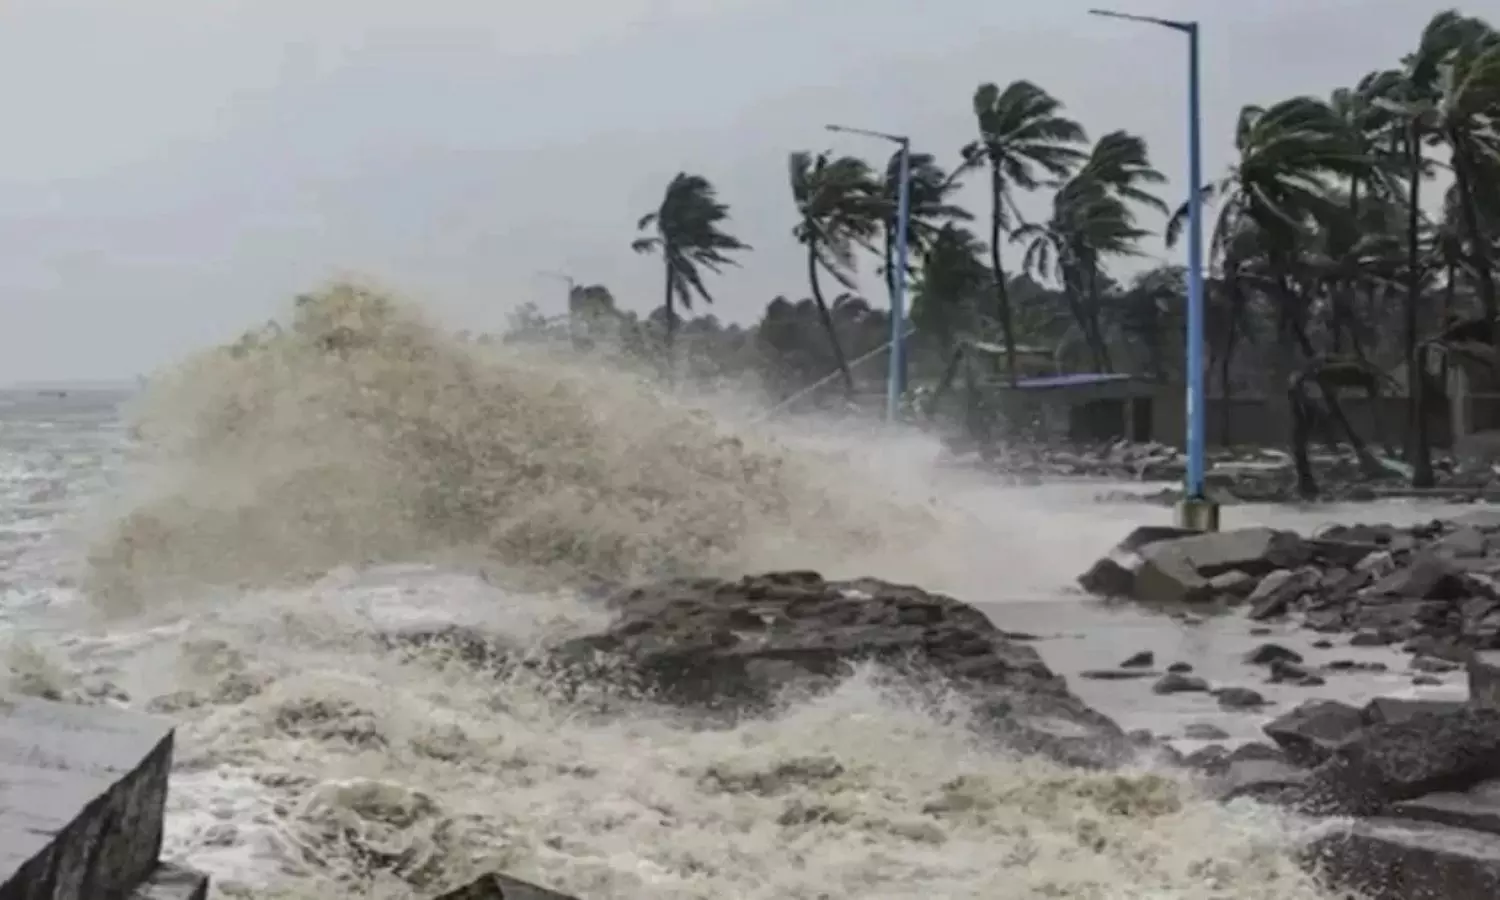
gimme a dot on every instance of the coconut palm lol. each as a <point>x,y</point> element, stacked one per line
<point>838,209</point>
<point>930,207</point>
<point>688,233</point>
<point>1023,138</point>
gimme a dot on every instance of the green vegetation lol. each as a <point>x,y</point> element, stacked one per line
<point>1334,263</point>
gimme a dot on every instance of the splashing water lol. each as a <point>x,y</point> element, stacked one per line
<point>313,486</point>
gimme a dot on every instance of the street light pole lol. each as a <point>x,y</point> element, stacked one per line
<point>1196,510</point>
<point>895,382</point>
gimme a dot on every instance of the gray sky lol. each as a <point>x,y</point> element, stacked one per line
<point>173,170</point>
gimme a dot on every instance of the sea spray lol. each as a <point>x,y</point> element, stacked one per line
<point>276,479</point>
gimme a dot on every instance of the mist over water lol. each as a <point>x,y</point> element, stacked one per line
<point>292,497</point>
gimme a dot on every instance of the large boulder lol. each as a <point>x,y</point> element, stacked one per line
<point>1167,567</point>
<point>741,644</point>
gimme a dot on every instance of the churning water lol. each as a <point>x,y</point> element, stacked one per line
<point>226,547</point>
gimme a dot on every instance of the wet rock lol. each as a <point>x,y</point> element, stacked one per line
<point>1426,680</point>
<point>1433,665</point>
<point>1204,731</point>
<point>1276,593</point>
<point>1310,732</point>
<point>1266,780</point>
<point>1395,710</point>
<point>1178,668</point>
<point>1233,585</point>
<point>1178,571</point>
<point>1283,672</point>
<point>1115,674</point>
<point>727,646</point>
<point>1391,859</point>
<point>1266,654</point>
<point>1142,660</point>
<point>1390,762</point>
<point>1234,698</point>
<point>1178,683</point>
<point>495,886</point>
<point>1477,808</point>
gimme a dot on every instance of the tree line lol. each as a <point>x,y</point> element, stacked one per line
<point>1350,243</point>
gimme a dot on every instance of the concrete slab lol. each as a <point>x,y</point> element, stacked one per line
<point>82,796</point>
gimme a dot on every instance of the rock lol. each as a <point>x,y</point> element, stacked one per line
<point>1266,780</point>
<point>1276,593</point>
<point>1389,859</point>
<point>1484,679</point>
<point>1114,575</point>
<point>1426,680</point>
<point>1142,660</point>
<point>1177,571</point>
<point>1239,698</point>
<point>1266,654</point>
<point>1178,668</point>
<point>1115,674</point>
<point>1178,683</point>
<point>495,886</point>
<point>1466,542</point>
<point>728,646</point>
<point>1389,762</point>
<point>1310,732</point>
<point>1478,808</point>
<point>1402,709</point>
<point>1204,731</point>
<point>1371,639</point>
<point>1432,664</point>
<point>1283,672</point>
<point>1233,584</point>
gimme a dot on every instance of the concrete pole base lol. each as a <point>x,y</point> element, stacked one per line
<point>1198,514</point>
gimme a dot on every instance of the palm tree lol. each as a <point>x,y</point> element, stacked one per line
<point>929,207</point>
<point>689,235</point>
<point>1287,153</point>
<point>838,209</point>
<point>1091,221</point>
<point>1023,136</point>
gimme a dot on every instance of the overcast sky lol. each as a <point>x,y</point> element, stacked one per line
<point>172,171</point>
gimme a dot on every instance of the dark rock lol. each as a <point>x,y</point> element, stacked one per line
<point>1178,571</point>
<point>1239,698</point>
<point>1309,733</point>
<point>1426,680</point>
<point>1266,654</point>
<point>1178,668</point>
<point>1276,593</point>
<point>1350,665</point>
<point>1322,644</point>
<point>1204,731</point>
<point>1429,577</point>
<point>1213,759</point>
<point>1114,575</point>
<point>1371,639</point>
<point>1478,808</point>
<point>501,887</point>
<point>1178,683</point>
<point>1266,780</point>
<point>1283,672</point>
<point>1388,762</point>
<point>1256,750</point>
<point>1388,859</point>
<point>736,645</point>
<point>1432,664</point>
<point>1232,585</point>
<point>1116,674</point>
<point>1142,660</point>
<point>1394,710</point>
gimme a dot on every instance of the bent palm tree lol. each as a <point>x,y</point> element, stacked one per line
<point>1023,135</point>
<point>838,208</point>
<point>689,236</point>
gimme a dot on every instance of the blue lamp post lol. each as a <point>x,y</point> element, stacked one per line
<point>895,382</point>
<point>1196,510</point>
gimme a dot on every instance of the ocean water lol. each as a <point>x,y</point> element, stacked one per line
<point>225,547</point>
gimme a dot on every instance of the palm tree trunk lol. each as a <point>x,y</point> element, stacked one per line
<point>1095,329</point>
<point>1463,175</point>
<point>827,319</point>
<point>1419,453</point>
<point>668,295</point>
<point>1002,290</point>
<point>1307,484</point>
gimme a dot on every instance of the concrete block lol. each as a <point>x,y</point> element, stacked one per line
<point>82,797</point>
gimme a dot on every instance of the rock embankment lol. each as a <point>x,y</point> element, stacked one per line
<point>1433,589</point>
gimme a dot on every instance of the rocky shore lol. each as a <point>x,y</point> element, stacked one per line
<point>1411,789</point>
